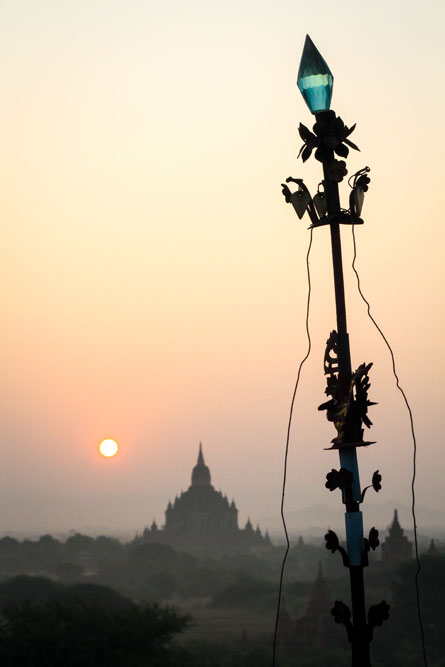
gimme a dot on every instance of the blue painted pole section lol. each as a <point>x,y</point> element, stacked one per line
<point>348,459</point>
<point>354,537</point>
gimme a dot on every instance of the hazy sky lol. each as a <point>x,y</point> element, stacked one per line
<point>153,283</point>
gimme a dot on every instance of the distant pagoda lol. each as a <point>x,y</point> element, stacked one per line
<point>313,630</point>
<point>396,546</point>
<point>202,517</point>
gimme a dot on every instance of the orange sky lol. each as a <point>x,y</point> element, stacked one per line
<point>153,280</point>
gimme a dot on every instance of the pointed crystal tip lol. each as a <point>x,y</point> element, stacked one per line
<point>315,79</point>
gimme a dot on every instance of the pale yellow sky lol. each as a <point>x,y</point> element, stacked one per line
<point>153,280</point>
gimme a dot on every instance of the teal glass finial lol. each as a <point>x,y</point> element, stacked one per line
<point>315,79</point>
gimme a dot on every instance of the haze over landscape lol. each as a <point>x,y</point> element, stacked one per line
<point>153,282</point>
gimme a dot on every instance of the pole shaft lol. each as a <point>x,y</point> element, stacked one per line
<point>348,455</point>
<point>360,640</point>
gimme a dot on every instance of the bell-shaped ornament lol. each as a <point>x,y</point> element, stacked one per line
<point>300,200</point>
<point>320,204</point>
<point>357,201</point>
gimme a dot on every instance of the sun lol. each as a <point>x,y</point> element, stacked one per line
<point>108,447</point>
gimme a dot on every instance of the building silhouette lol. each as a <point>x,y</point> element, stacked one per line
<point>317,619</point>
<point>432,549</point>
<point>203,518</point>
<point>314,630</point>
<point>396,546</point>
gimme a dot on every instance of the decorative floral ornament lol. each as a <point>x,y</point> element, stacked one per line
<point>342,614</point>
<point>377,614</point>
<point>336,170</point>
<point>374,538</point>
<point>376,481</point>
<point>330,133</point>
<point>333,545</point>
<point>339,479</point>
<point>359,185</point>
<point>372,542</point>
<point>332,541</point>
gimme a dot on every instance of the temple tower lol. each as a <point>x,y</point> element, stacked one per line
<point>396,546</point>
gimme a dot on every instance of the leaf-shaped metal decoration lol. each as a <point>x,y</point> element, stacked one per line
<point>310,142</point>
<point>351,144</point>
<point>300,200</point>
<point>341,150</point>
<point>307,136</point>
<point>320,203</point>
<point>305,153</point>
<point>357,201</point>
<point>359,183</point>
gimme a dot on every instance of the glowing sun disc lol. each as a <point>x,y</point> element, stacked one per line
<point>108,448</point>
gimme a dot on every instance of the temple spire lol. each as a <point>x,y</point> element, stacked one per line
<point>200,473</point>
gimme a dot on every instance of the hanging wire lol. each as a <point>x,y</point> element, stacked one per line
<point>413,511</point>
<point>297,382</point>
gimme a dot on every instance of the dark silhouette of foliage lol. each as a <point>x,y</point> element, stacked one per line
<point>24,589</point>
<point>155,552</point>
<point>161,585</point>
<point>222,592</point>
<point>78,543</point>
<point>85,625</point>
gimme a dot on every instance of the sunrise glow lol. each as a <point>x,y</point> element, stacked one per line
<point>154,282</point>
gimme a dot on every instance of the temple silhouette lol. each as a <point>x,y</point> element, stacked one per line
<point>314,629</point>
<point>396,546</point>
<point>203,518</point>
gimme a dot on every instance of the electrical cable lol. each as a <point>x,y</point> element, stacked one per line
<point>297,382</point>
<point>413,511</point>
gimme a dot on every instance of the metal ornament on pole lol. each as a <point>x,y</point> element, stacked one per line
<point>347,390</point>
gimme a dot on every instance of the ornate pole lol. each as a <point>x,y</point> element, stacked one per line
<point>347,391</point>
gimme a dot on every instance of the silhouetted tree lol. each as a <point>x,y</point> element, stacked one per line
<point>85,625</point>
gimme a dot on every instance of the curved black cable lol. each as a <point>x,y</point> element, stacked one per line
<point>280,588</point>
<point>413,511</point>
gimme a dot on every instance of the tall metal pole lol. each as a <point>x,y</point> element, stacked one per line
<point>347,390</point>
<point>348,455</point>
